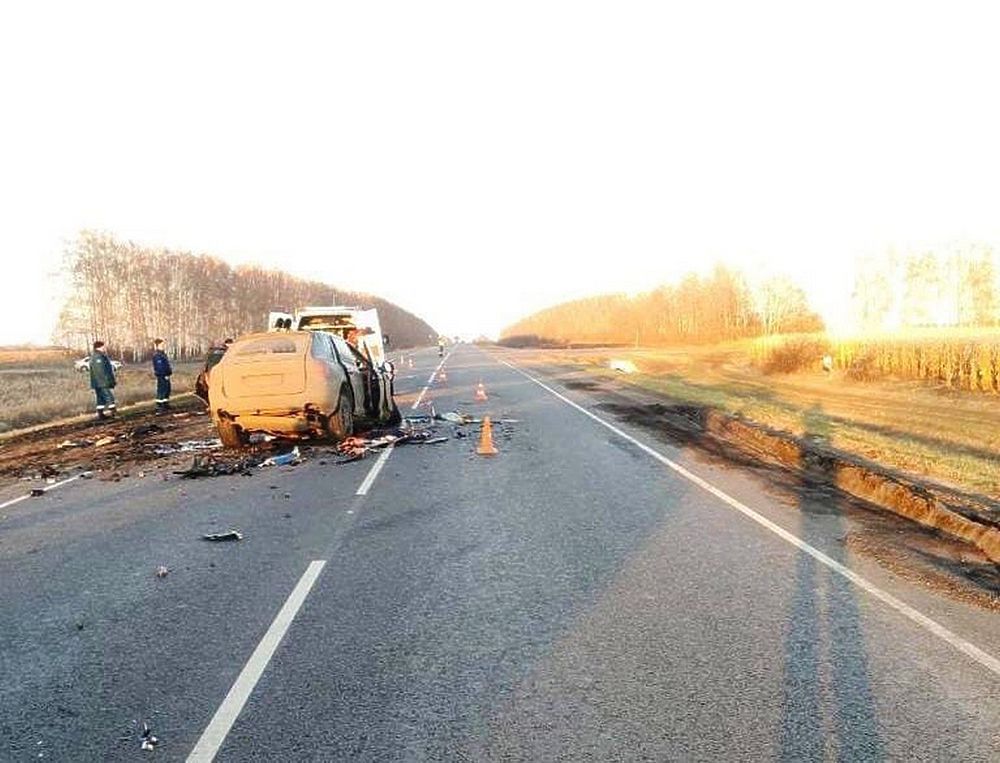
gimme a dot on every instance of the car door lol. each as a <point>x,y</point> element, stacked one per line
<point>355,373</point>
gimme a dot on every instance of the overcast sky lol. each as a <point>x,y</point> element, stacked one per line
<point>475,162</point>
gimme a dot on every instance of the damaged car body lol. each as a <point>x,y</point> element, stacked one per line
<point>298,384</point>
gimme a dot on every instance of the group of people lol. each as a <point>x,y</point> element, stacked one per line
<point>103,379</point>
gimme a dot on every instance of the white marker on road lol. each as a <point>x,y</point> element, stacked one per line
<point>213,737</point>
<point>982,657</point>
<point>377,466</point>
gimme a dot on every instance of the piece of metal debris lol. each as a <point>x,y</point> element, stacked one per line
<point>149,740</point>
<point>162,572</point>
<point>226,536</point>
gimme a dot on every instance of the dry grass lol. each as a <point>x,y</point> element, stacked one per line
<point>37,386</point>
<point>924,429</point>
<point>965,359</point>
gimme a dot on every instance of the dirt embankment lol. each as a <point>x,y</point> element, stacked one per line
<point>973,519</point>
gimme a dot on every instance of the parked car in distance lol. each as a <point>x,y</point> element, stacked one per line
<point>83,364</point>
<point>308,384</point>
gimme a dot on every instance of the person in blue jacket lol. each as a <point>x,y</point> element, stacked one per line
<point>102,380</point>
<point>163,371</point>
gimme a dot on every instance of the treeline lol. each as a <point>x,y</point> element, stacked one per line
<point>921,289</point>
<point>127,294</point>
<point>716,308</point>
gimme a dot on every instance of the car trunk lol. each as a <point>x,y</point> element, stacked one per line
<point>268,367</point>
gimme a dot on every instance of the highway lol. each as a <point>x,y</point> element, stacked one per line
<point>591,592</point>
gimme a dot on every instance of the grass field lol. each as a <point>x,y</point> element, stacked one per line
<point>37,386</point>
<point>921,427</point>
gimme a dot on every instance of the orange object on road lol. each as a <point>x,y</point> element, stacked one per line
<point>481,393</point>
<point>486,447</point>
<point>442,376</point>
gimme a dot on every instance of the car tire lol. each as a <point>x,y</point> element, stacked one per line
<point>231,434</point>
<point>340,423</point>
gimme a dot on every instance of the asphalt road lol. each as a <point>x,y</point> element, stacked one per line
<point>571,598</point>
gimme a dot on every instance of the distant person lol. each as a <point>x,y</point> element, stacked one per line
<point>102,380</point>
<point>162,371</point>
<point>441,347</point>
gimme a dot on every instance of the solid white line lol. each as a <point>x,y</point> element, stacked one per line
<point>47,488</point>
<point>377,466</point>
<point>215,734</point>
<point>971,650</point>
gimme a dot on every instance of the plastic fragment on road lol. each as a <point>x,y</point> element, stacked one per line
<point>623,366</point>
<point>222,537</point>
<point>149,740</point>
<point>432,441</point>
<point>104,441</point>
<point>72,444</point>
<point>161,571</point>
<point>481,395</point>
<point>284,459</point>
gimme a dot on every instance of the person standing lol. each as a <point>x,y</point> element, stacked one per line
<point>102,380</point>
<point>163,371</point>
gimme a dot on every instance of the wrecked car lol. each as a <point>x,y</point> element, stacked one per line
<point>309,384</point>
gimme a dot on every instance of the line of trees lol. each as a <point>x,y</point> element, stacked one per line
<point>716,308</point>
<point>920,289</point>
<point>127,294</point>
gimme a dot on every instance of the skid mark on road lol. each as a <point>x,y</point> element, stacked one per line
<point>985,659</point>
<point>224,718</point>
<point>369,480</point>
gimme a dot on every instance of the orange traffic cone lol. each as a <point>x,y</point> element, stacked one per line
<point>481,393</point>
<point>486,447</point>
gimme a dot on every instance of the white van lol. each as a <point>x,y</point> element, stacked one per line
<point>359,327</point>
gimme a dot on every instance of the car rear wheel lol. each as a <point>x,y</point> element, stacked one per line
<point>341,423</point>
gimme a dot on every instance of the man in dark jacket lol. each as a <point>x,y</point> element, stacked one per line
<point>102,380</point>
<point>163,371</point>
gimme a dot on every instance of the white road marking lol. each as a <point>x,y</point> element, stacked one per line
<point>971,650</point>
<point>215,734</point>
<point>377,466</point>
<point>373,472</point>
<point>47,488</point>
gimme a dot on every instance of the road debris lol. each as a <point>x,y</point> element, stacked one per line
<point>37,491</point>
<point>284,459</point>
<point>162,572</point>
<point>149,740</point>
<point>144,430</point>
<point>225,536</point>
<point>212,465</point>
<point>104,441</point>
<point>187,446</point>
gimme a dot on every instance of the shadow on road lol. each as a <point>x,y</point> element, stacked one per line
<point>828,708</point>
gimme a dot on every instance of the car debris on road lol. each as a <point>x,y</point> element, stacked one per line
<point>211,465</point>
<point>149,740</point>
<point>224,536</point>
